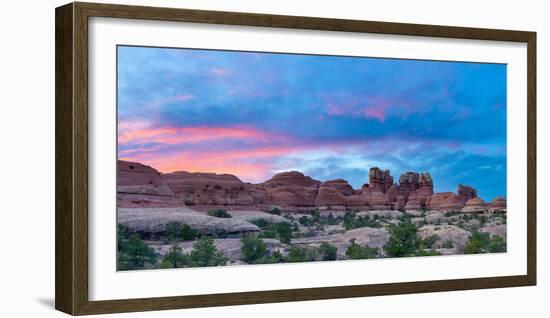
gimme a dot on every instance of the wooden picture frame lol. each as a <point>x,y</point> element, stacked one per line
<point>71,221</point>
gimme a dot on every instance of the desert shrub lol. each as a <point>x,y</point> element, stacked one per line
<point>328,251</point>
<point>261,223</point>
<point>477,243</point>
<point>204,253</point>
<point>174,258</point>
<point>268,233</point>
<point>331,220</point>
<point>252,249</point>
<point>482,220</point>
<point>221,233</point>
<point>356,251</point>
<point>135,254</point>
<point>429,241</point>
<point>497,244</point>
<point>480,242</point>
<point>122,235</point>
<point>178,231</point>
<point>430,252</point>
<point>219,213</point>
<point>171,231</point>
<point>403,240</point>
<point>275,257</point>
<point>298,254</point>
<point>284,232</point>
<point>305,220</point>
<point>351,221</point>
<point>275,211</point>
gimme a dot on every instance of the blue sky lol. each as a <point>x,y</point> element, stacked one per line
<point>256,114</point>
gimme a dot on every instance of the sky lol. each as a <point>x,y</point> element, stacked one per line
<point>256,114</point>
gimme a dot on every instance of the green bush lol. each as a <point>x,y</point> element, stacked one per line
<point>219,213</point>
<point>275,257</point>
<point>298,254</point>
<point>178,231</point>
<point>480,242</point>
<point>123,234</point>
<point>204,253</point>
<point>356,251</point>
<point>449,244</point>
<point>331,220</point>
<point>429,241</point>
<point>282,231</point>
<point>328,251</point>
<point>174,258</point>
<point>351,221</point>
<point>261,223</point>
<point>135,254</point>
<point>403,240</point>
<point>497,244</point>
<point>275,211</point>
<point>305,220</point>
<point>252,249</point>
<point>430,252</point>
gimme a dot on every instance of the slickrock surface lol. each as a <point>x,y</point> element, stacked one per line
<point>251,216</point>
<point>459,237</point>
<point>154,220</point>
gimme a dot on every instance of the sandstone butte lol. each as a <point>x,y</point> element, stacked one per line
<point>143,186</point>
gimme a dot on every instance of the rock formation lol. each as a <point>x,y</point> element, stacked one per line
<point>498,205</point>
<point>380,180</point>
<point>143,186</point>
<point>474,205</point>
<point>292,189</point>
<point>209,188</point>
<point>466,193</point>
<point>333,192</point>
<point>445,201</point>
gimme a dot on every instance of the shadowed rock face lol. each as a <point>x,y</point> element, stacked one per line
<point>143,186</point>
<point>380,180</point>
<point>466,193</point>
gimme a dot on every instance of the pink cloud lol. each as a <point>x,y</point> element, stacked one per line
<point>139,132</point>
<point>377,112</point>
<point>335,110</point>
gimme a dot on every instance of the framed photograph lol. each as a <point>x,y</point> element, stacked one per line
<point>211,158</point>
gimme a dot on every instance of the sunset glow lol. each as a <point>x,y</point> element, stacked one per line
<point>256,114</point>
